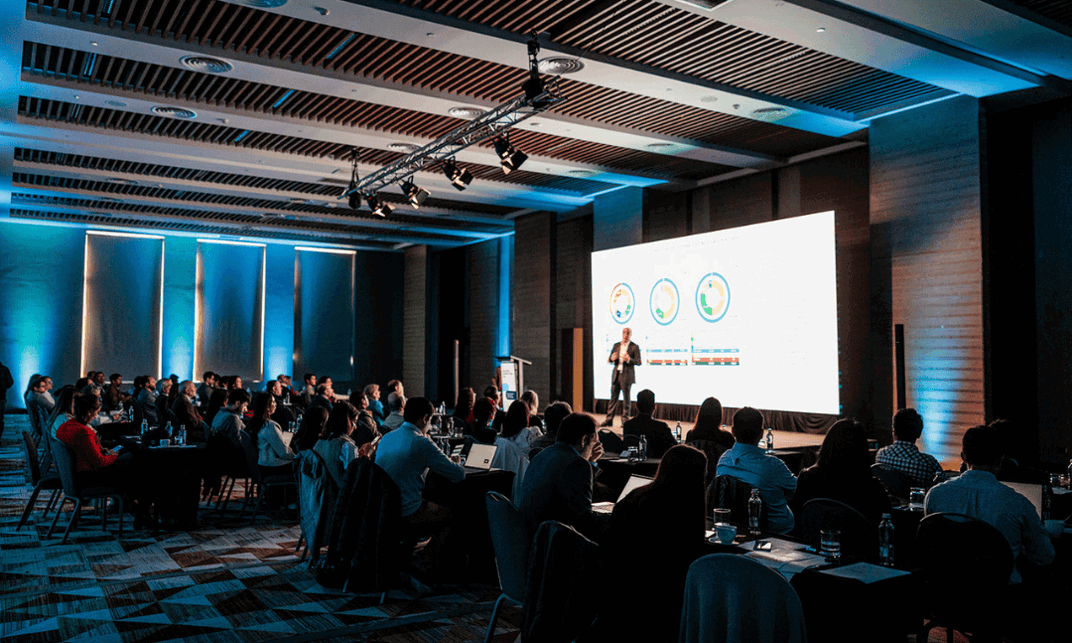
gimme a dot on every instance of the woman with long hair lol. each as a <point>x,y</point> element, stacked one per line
<point>274,455</point>
<point>516,427</point>
<point>664,521</point>
<point>708,424</point>
<point>463,409</point>
<point>310,428</point>
<point>842,472</point>
<point>366,430</point>
<point>64,408</point>
<point>336,445</point>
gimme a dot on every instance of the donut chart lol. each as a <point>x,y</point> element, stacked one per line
<point>664,302</point>
<point>622,303</point>
<point>712,297</point>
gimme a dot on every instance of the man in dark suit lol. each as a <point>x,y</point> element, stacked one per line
<point>657,433</point>
<point>558,484</point>
<point>625,355</point>
<point>186,413</point>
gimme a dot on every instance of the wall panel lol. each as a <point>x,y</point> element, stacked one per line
<point>230,309</point>
<point>533,315</point>
<point>324,314</point>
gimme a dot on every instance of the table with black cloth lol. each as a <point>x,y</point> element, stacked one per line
<point>470,533</point>
<point>171,477</point>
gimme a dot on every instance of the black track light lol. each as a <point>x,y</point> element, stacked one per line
<point>355,198</point>
<point>510,158</point>
<point>416,195</point>
<point>379,208</point>
<point>459,177</point>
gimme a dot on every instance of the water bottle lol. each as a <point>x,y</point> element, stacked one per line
<point>168,429</point>
<point>1068,480</point>
<point>1047,491</point>
<point>885,541</point>
<point>180,436</point>
<point>293,427</point>
<point>144,427</point>
<point>755,510</point>
<point>677,432</point>
<point>770,440</point>
<point>643,442</point>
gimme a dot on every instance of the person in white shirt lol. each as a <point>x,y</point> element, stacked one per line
<point>336,445</point>
<point>274,454</point>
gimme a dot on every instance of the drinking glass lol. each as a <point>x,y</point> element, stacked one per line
<point>830,544</point>
<point>915,498</point>
<point>721,516</point>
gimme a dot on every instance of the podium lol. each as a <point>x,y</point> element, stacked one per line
<point>513,376</point>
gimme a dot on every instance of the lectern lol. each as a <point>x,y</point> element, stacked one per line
<point>513,376</point>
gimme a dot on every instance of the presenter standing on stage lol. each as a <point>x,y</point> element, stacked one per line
<point>625,355</point>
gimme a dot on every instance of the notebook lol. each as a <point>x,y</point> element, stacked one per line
<point>634,482</point>
<point>480,457</point>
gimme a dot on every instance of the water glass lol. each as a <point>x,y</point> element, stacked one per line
<point>915,498</point>
<point>830,544</point>
<point>721,516</point>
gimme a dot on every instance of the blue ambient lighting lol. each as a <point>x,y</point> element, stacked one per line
<point>335,51</point>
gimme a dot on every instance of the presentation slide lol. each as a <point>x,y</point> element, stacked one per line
<point>747,315</point>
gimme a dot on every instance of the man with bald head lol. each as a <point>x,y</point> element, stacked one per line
<point>624,356</point>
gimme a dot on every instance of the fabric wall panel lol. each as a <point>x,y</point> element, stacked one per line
<point>230,309</point>
<point>123,309</point>
<point>324,314</point>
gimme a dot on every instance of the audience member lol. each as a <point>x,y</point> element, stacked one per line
<point>667,518</point>
<point>64,410</point>
<point>228,422</point>
<point>309,390</point>
<point>407,454</point>
<point>336,445</point>
<point>236,381</point>
<point>322,398</point>
<point>483,416</point>
<point>708,425</point>
<point>658,435</point>
<point>187,414</point>
<point>284,382</point>
<point>516,428</point>
<point>327,381</point>
<point>977,493</point>
<point>493,394</point>
<point>372,392</point>
<point>366,430</point>
<point>747,462</point>
<point>552,417</point>
<point>396,404</point>
<point>147,400</point>
<point>463,410</point>
<point>532,400</point>
<point>274,455</point>
<point>310,429</point>
<point>215,403</point>
<point>283,415</point>
<point>395,386</point>
<point>843,472</point>
<point>39,396</point>
<point>558,483</point>
<point>1014,463</point>
<point>903,455</point>
<point>164,399</point>
<point>204,392</point>
<point>113,397</point>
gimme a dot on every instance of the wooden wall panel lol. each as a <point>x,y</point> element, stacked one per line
<point>927,273</point>
<point>415,289</point>
<point>532,315</point>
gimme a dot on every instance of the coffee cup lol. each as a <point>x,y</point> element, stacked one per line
<point>726,533</point>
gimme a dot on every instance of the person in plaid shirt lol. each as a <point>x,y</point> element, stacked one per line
<point>903,455</point>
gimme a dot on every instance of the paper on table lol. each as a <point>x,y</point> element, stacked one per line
<point>785,557</point>
<point>865,572</point>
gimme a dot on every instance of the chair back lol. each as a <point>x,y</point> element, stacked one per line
<point>564,568</point>
<point>859,538</point>
<point>713,450</point>
<point>896,482</point>
<point>30,448</point>
<point>511,540</point>
<point>611,442</point>
<point>631,440</point>
<point>722,603</point>
<point>64,459</point>
<point>975,554</point>
<point>174,419</point>
<point>727,492</point>
<point>317,493</point>
<point>252,453</point>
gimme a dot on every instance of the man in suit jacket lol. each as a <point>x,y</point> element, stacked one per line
<point>558,484</point>
<point>658,435</point>
<point>187,415</point>
<point>625,355</point>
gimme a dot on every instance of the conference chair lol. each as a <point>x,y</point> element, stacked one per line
<point>896,482</point>
<point>78,494</point>
<point>612,443</point>
<point>259,485</point>
<point>859,538</point>
<point>734,599</point>
<point>317,493</point>
<point>727,492</point>
<point>965,566</point>
<point>713,450</point>
<point>50,482</point>
<point>564,575</point>
<point>511,541</point>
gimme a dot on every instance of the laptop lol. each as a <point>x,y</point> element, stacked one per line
<point>1032,492</point>
<point>480,457</point>
<point>634,482</point>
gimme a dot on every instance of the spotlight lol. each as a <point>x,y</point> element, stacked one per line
<point>510,157</point>
<point>355,199</point>
<point>379,208</point>
<point>416,195</point>
<point>459,176</point>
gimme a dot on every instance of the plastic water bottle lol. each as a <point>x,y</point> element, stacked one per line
<point>643,441</point>
<point>169,429</point>
<point>180,436</point>
<point>885,541</point>
<point>770,440</point>
<point>293,427</point>
<point>144,427</point>
<point>677,432</point>
<point>755,511</point>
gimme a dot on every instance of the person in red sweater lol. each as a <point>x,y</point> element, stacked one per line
<point>93,466</point>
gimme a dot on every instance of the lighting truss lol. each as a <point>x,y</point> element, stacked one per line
<point>491,124</point>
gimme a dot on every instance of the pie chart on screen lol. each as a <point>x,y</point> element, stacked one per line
<point>622,303</point>
<point>664,302</point>
<point>712,297</point>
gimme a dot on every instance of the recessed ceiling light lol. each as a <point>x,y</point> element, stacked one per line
<point>264,4</point>
<point>77,97</point>
<point>534,123</point>
<point>559,65</point>
<point>658,146</point>
<point>468,113</point>
<point>768,111</point>
<point>207,64</point>
<point>94,43</point>
<point>581,173</point>
<point>116,103</point>
<point>174,112</point>
<point>403,147</point>
<point>709,99</point>
<point>820,30</point>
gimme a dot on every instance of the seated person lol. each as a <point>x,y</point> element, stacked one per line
<point>922,469</point>
<point>843,473</point>
<point>396,403</point>
<point>114,397</point>
<point>558,483</point>
<point>207,388</point>
<point>274,455</point>
<point>164,399</point>
<point>147,399</point>
<point>283,415</point>
<point>322,398</point>
<point>310,429</point>
<point>39,395</point>
<point>463,410</point>
<point>977,493</point>
<point>667,516</point>
<point>335,444</point>
<point>747,462</point>
<point>185,410</point>
<point>407,454</point>
<point>309,390</point>
<point>532,400</point>
<point>216,402</point>
<point>492,393</point>
<point>483,416</point>
<point>516,428</point>
<point>366,430</point>
<point>64,410</point>
<point>552,418</point>
<point>658,435</point>
<point>228,422</point>
<point>708,425</point>
<point>372,392</point>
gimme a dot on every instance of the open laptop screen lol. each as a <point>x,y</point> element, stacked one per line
<point>1032,492</point>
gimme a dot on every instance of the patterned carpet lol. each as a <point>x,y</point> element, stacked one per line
<point>231,580</point>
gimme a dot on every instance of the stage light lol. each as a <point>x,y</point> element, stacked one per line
<point>510,158</point>
<point>355,199</point>
<point>416,195</point>
<point>459,177</point>
<point>379,208</point>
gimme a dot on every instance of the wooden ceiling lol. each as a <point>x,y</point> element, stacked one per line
<point>239,117</point>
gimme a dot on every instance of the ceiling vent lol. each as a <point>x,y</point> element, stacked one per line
<point>706,5</point>
<point>207,64</point>
<point>468,113</point>
<point>405,148</point>
<point>560,65</point>
<point>174,112</point>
